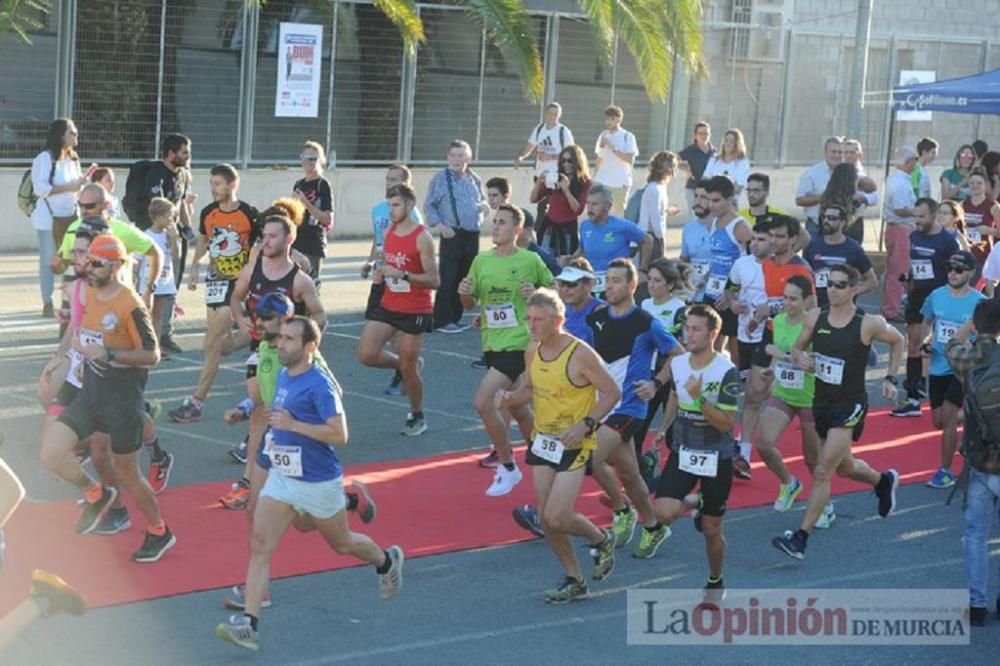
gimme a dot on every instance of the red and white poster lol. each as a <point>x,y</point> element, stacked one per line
<point>300,57</point>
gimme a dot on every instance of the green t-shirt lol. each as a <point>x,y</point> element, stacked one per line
<point>134,240</point>
<point>954,176</point>
<point>268,368</point>
<point>496,283</point>
<point>792,385</point>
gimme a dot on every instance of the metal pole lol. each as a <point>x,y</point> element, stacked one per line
<point>479,101</point>
<point>159,77</point>
<point>786,85</point>
<point>62,103</point>
<point>551,60</point>
<point>984,53</point>
<point>333,67</point>
<point>890,116</point>
<point>862,38</point>
<point>249,83</point>
<point>614,69</point>
<point>888,161</point>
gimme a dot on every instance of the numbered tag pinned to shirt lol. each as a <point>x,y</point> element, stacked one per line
<point>945,330</point>
<point>699,463</point>
<point>716,285</point>
<point>829,369</point>
<point>286,459</point>
<point>822,278</point>
<point>548,447</point>
<point>701,269</point>
<point>88,337</point>
<point>215,291</point>
<point>398,285</point>
<point>501,315</point>
<point>922,269</point>
<point>600,282</point>
<point>789,376</point>
<point>974,235</point>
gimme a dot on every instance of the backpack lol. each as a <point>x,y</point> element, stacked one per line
<point>562,135</point>
<point>27,200</point>
<point>981,444</point>
<point>634,207</point>
<point>135,185</point>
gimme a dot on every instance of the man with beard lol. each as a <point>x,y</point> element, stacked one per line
<point>834,248</point>
<point>410,274</point>
<point>696,243</point>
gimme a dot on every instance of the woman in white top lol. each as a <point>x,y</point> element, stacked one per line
<point>655,207</point>
<point>731,160</point>
<point>56,179</point>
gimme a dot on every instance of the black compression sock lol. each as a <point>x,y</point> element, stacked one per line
<point>253,620</point>
<point>802,535</point>
<point>352,501</point>
<point>509,466</point>
<point>622,512</point>
<point>384,569</point>
<point>154,446</point>
<point>653,528</point>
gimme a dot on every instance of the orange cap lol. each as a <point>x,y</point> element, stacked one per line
<point>107,247</point>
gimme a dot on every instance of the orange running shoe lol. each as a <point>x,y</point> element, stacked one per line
<point>159,472</point>
<point>237,498</point>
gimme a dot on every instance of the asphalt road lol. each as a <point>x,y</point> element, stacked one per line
<point>483,606</point>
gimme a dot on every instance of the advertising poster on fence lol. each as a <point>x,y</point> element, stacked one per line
<point>912,77</point>
<point>300,57</point>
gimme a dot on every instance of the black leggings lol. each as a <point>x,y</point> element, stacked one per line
<point>563,237</point>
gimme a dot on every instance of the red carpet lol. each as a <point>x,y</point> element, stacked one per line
<point>430,506</point>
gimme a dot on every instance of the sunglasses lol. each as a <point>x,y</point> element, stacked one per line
<point>567,160</point>
<point>955,268</point>
<point>268,315</point>
<point>568,285</point>
<point>308,158</point>
<point>832,218</point>
<point>99,263</point>
<point>839,284</point>
<point>89,206</point>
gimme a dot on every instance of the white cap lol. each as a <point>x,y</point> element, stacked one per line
<point>574,274</point>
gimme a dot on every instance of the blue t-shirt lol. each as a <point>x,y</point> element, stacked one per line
<point>725,251</point>
<point>946,313</point>
<point>547,258</point>
<point>696,247</point>
<point>381,221</point>
<point>823,256</point>
<point>929,258</point>
<point>602,243</point>
<point>311,398</point>
<point>627,345</point>
<point>576,321</point>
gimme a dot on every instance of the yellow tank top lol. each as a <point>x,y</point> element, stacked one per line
<point>559,403</point>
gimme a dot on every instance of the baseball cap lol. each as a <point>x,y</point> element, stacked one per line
<point>107,247</point>
<point>574,274</point>
<point>964,259</point>
<point>276,303</point>
<point>905,154</point>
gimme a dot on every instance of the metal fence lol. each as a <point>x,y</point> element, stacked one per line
<point>130,71</point>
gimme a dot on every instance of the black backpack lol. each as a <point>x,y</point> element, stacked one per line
<point>135,195</point>
<point>981,443</point>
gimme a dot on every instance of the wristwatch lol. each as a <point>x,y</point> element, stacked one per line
<point>592,424</point>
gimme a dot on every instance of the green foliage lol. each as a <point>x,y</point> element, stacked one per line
<point>20,16</point>
<point>508,27</point>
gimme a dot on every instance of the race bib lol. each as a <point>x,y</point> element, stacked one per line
<point>75,374</point>
<point>822,278</point>
<point>699,463</point>
<point>215,291</point>
<point>287,459</point>
<point>88,337</point>
<point>600,282</point>
<point>922,269</point>
<point>790,377</point>
<point>701,269</point>
<point>398,285</point>
<point>548,447</point>
<point>501,315</point>
<point>974,236</point>
<point>830,369</point>
<point>945,330</point>
<point>716,285</point>
<point>775,303</point>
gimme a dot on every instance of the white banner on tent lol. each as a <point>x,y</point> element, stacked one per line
<point>300,57</point>
<point>909,77</point>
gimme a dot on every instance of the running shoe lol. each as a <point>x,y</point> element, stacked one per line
<point>490,460</point>
<point>450,329</point>
<point>153,547</point>
<point>188,412</point>
<point>569,589</point>
<point>159,472</point>
<point>886,492</point>
<point>391,582</point>
<point>168,344</point>
<point>395,387</point>
<point>153,408</point>
<point>623,526</point>
<point>604,556</point>
<point>941,479</point>
<point>94,512</point>
<point>116,521</point>
<point>238,631</point>
<point>650,540</point>
<point>237,498</point>
<point>527,518</point>
<point>239,452</point>
<point>62,597</point>
<point>790,544</point>
<point>504,481</point>
<point>415,425</point>
<point>367,509</point>
<point>910,408</point>
<point>741,468</point>
<point>715,591</point>
<point>826,518</point>
<point>238,600</point>
<point>787,494</point>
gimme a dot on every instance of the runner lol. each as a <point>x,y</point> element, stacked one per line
<point>840,338</point>
<point>410,274</point>
<point>727,244</point>
<point>116,338</point>
<point>700,414</point>
<point>931,248</point>
<point>604,237</point>
<point>944,312</point>
<point>564,378</point>
<point>791,395</point>
<point>501,281</point>
<point>834,248</point>
<point>627,337</point>
<point>696,241</point>
<point>226,232</point>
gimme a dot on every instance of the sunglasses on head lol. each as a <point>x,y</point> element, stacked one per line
<point>308,158</point>
<point>839,284</point>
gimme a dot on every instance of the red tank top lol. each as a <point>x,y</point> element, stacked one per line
<point>400,295</point>
<point>976,217</point>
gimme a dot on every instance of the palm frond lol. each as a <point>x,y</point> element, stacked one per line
<point>598,13</point>
<point>639,25</point>
<point>508,27</point>
<point>404,15</point>
<point>20,16</point>
<point>682,25</point>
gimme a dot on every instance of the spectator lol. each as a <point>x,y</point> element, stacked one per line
<point>616,152</point>
<point>898,218</point>
<point>867,189</point>
<point>951,217</point>
<point>955,181</point>
<point>991,167</point>
<point>655,206</point>
<point>759,209</point>
<point>56,180</point>
<point>456,205</point>
<point>981,149</point>
<point>927,151</point>
<point>105,177</point>
<point>991,273</point>
<point>813,183</point>
<point>547,141</point>
<point>498,192</point>
<point>731,160</point>
<point>982,216</point>
<point>696,157</point>
<point>842,191</point>
<point>316,195</point>
<point>566,202</point>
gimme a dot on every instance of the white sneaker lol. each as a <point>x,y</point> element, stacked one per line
<point>826,518</point>
<point>504,481</point>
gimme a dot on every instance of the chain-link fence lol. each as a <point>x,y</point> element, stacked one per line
<point>208,68</point>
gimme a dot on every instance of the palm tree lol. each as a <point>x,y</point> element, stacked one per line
<point>20,16</point>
